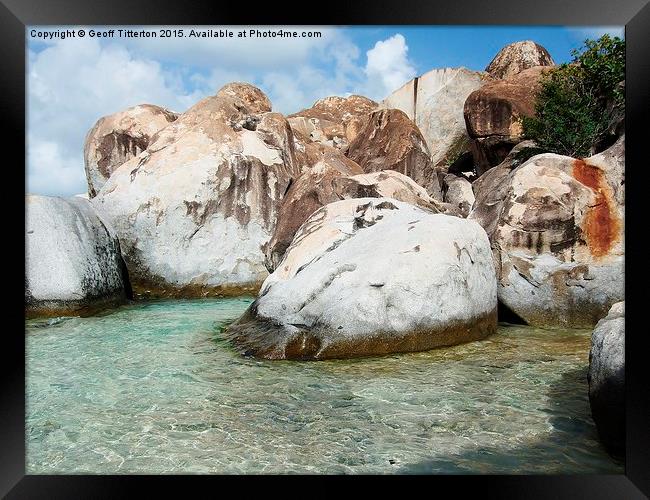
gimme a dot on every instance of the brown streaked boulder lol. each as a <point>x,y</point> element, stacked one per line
<point>333,121</point>
<point>517,57</point>
<point>493,115</point>
<point>116,138</point>
<point>389,140</point>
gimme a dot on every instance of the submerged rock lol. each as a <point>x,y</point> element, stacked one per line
<point>390,141</point>
<point>494,113</point>
<point>607,378</point>
<point>194,210</point>
<point>333,121</point>
<point>117,138</point>
<point>373,276</point>
<point>434,101</point>
<point>517,57</point>
<point>72,259</point>
<point>556,228</point>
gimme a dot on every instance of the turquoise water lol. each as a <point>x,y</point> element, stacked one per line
<point>151,388</point>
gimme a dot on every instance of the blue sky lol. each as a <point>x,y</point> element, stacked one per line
<point>73,82</point>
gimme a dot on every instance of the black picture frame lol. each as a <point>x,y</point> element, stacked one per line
<point>15,15</point>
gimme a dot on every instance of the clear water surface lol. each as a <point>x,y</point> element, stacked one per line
<point>152,388</point>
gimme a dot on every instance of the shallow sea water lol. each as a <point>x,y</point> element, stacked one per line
<point>152,388</point>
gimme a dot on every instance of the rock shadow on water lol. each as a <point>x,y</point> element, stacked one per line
<point>576,433</point>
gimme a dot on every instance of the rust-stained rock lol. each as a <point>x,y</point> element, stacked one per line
<point>493,115</point>
<point>517,57</point>
<point>116,138</point>
<point>556,227</point>
<point>329,181</point>
<point>193,210</point>
<point>434,101</point>
<point>389,140</point>
<point>372,276</point>
<point>333,121</point>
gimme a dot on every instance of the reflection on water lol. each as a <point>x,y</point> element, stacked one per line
<point>151,388</point>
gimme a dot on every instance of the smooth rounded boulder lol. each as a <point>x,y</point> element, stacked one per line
<point>194,210</point>
<point>373,276</point>
<point>517,57</point>
<point>557,233</point>
<point>73,264</point>
<point>389,140</point>
<point>607,379</point>
<point>117,138</point>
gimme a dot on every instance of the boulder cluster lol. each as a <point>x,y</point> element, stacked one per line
<point>364,228</point>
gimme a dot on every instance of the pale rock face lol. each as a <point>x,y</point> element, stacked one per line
<point>607,378</point>
<point>117,138</point>
<point>556,227</point>
<point>517,57</point>
<point>330,181</point>
<point>458,192</point>
<point>72,259</point>
<point>333,121</point>
<point>194,210</point>
<point>434,101</point>
<point>390,141</point>
<point>373,276</point>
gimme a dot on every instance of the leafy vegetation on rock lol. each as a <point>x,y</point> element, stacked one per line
<point>580,104</point>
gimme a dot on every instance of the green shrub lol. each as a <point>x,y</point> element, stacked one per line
<point>578,102</point>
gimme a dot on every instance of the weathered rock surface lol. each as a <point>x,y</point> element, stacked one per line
<point>347,287</point>
<point>493,115</point>
<point>607,378</point>
<point>329,181</point>
<point>458,192</point>
<point>333,121</point>
<point>116,138</point>
<point>434,101</point>
<point>517,57</point>
<point>389,140</point>
<point>194,210</point>
<point>72,259</point>
<point>556,227</point>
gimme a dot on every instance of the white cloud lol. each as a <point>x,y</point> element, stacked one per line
<point>70,86</point>
<point>388,66</point>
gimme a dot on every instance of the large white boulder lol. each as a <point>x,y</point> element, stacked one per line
<point>194,210</point>
<point>373,276</point>
<point>72,259</point>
